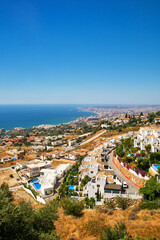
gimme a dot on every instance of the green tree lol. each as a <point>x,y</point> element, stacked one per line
<point>148,148</point>
<point>22,221</point>
<point>151,117</point>
<point>84,181</point>
<point>151,190</point>
<point>142,164</point>
<point>98,194</point>
<point>89,203</point>
<point>128,143</point>
<point>72,207</point>
<point>5,194</point>
<point>119,151</point>
<point>63,190</point>
<point>155,157</point>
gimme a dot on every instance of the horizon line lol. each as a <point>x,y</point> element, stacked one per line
<point>130,104</point>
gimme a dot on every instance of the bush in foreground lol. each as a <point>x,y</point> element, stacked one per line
<point>22,222</point>
<point>122,202</point>
<point>110,204</point>
<point>72,207</point>
<point>150,204</point>
<point>94,227</point>
<point>118,232</point>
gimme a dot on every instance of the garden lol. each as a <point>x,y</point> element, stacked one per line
<point>135,159</point>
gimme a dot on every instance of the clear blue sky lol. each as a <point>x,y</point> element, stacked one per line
<point>80,51</point>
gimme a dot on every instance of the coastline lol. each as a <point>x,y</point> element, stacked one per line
<point>57,114</point>
<point>91,111</point>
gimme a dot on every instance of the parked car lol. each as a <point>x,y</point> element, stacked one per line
<point>125,185</point>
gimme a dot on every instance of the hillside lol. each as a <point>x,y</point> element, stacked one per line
<point>146,223</point>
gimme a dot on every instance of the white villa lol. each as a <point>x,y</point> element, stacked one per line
<point>104,184</point>
<point>34,169</point>
<point>148,136</point>
<point>94,185</point>
<point>49,177</point>
<point>103,179</point>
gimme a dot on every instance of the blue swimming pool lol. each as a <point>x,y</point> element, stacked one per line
<point>37,186</point>
<point>156,166</point>
<point>70,187</point>
<point>35,180</point>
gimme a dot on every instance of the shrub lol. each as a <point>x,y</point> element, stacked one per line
<point>11,176</point>
<point>101,209</point>
<point>48,236</point>
<point>94,227</point>
<point>110,212</point>
<point>110,204</point>
<point>118,232</point>
<point>136,209</point>
<point>137,171</point>
<point>80,194</point>
<point>122,202</point>
<point>72,207</point>
<point>150,204</point>
<point>74,194</point>
<point>132,216</point>
<point>89,203</point>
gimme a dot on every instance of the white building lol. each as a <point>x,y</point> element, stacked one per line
<point>62,169</point>
<point>35,168</point>
<point>72,143</point>
<point>145,137</point>
<point>95,185</point>
<point>89,169</point>
<point>49,177</point>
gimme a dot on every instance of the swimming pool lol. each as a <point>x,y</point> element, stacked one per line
<point>156,166</point>
<point>35,180</point>
<point>70,187</point>
<point>36,186</point>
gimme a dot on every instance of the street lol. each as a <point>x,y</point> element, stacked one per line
<point>132,188</point>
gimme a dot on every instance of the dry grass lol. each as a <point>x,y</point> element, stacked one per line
<point>56,163</point>
<point>5,177</point>
<point>21,194</point>
<point>89,226</point>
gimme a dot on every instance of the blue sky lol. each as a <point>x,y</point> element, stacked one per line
<point>80,51</point>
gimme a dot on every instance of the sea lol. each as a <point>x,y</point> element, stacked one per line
<point>27,116</point>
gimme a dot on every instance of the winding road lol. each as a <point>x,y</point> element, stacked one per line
<point>132,188</point>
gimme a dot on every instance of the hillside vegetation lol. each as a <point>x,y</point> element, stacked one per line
<point>145,224</point>
<point>68,220</point>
